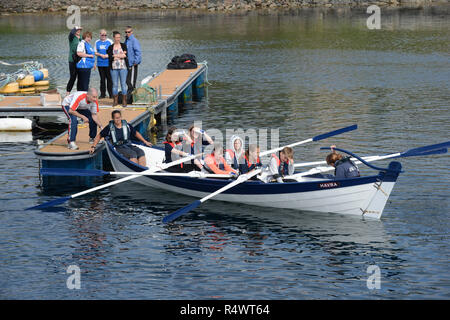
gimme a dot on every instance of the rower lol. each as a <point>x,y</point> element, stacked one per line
<point>252,160</point>
<point>120,132</point>
<point>215,162</point>
<point>280,166</point>
<point>173,148</point>
<point>199,139</point>
<point>235,155</point>
<point>344,167</point>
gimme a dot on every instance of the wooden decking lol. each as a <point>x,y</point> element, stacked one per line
<point>168,81</point>
<point>20,101</point>
<point>60,145</point>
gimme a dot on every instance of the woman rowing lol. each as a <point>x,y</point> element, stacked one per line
<point>215,162</point>
<point>235,155</point>
<point>251,158</point>
<point>173,148</point>
<point>199,139</point>
<point>344,167</point>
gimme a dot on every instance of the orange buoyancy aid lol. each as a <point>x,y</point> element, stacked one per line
<point>283,167</point>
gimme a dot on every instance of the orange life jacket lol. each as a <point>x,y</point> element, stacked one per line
<point>283,167</point>
<point>172,144</point>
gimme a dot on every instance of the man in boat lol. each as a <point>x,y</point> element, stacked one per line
<point>235,154</point>
<point>280,166</point>
<point>215,162</point>
<point>344,167</point>
<point>84,105</point>
<point>120,133</point>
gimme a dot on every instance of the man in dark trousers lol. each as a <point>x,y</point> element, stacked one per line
<point>134,57</point>
<point>74,39</point>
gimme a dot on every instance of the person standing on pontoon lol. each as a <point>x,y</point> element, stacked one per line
<point>101,45</point>
<point>84,105</point>
<point>86,63</point>
<point>120,133</point>
<point>74,39</point>
<point>118,65</point>
<point>134,57</point>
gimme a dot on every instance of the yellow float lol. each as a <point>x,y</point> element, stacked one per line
<point>27,90</point>
<point>42,83</point>
<point>45,72</point>
<point>27,81</point>
<point>41,88</point>
<point>10,88</point>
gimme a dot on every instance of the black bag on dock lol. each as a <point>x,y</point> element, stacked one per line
<point>185,61</point>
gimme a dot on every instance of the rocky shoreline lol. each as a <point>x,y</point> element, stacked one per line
<point>42,6</point>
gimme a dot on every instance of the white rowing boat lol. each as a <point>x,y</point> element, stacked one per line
<point>362,196</point>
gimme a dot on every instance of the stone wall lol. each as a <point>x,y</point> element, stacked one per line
<point>24,6</point>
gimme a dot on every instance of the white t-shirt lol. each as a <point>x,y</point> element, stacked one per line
<point>77,100</point>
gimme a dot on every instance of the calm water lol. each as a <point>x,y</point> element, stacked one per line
<point>303,72</point>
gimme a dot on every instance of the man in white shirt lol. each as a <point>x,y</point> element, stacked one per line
<point>84,105</point>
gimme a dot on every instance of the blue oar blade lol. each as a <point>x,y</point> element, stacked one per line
<point>49,203</point>
<point>421,150</point>
<point>73,172</point>
<point>426,153</point>
<point>335,132</point>
<point>181,211</point>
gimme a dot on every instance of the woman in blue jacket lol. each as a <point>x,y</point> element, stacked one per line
<point>86,63</point>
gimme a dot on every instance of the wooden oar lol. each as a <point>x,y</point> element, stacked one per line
<point>64,199</point>
<point>99,173</point>
<point>245,177</point>
<point>439,148</point>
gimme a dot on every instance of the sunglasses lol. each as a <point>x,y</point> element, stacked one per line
<point>128,31</point>
<point>103,35</point>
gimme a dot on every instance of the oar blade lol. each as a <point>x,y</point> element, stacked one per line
<point>421,150</point>
<point>73,172</point>
<point>49,203</point>
<point>181,211</point>
<point>426,153</point>
<point>335,132</point>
